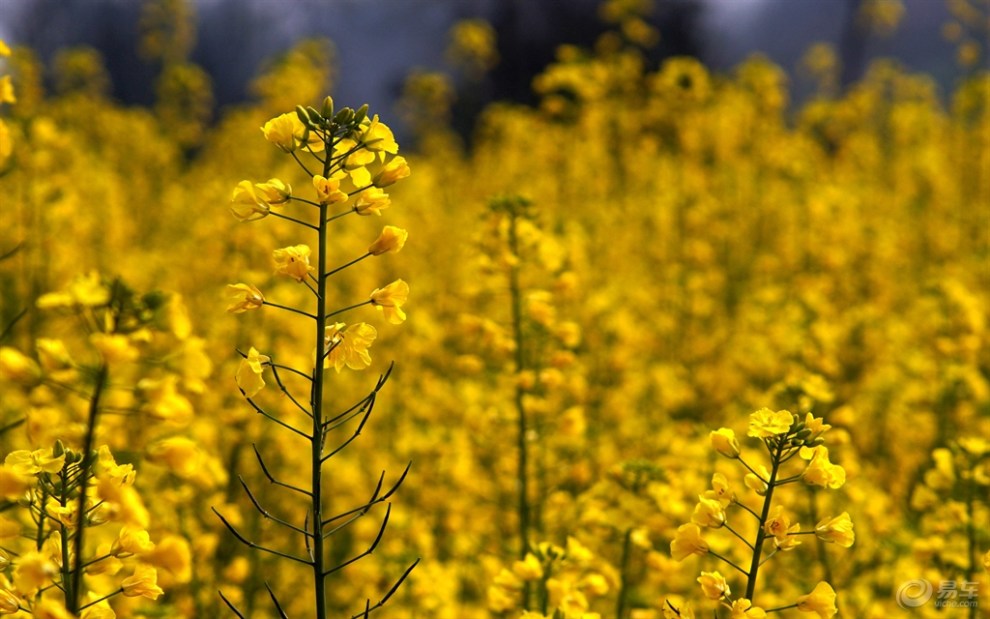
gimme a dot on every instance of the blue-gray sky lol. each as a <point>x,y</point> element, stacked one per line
<point>379,41</point>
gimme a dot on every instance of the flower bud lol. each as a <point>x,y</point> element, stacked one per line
<point>724,441</point>
<point>327,111</point>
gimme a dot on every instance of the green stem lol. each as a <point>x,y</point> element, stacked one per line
<point>522,462</point>
<point>620,604</point>
<point>971,536</point>
<point>72,593</point>
<point>316,400</point>
<point>761,533</point>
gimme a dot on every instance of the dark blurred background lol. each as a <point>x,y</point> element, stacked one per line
<point>379,41</point>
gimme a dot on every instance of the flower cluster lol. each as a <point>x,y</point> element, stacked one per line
<point>785,436</point>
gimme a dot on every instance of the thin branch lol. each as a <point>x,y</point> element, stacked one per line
<point>13,424</point>
<point>368,609</point>
<point>285,390</point>
<point>97,601</point>
<point>17,318</point>
<point>10,252</point>
<point>273,418</point>
<point>373,501</point>
<point>305,201</point>
<point>264,469</point>
<point>230,605</point>
<point>291,369</point>
<point>264,512</point>
<point>311,289</point>
<point>293,220</point>
<point>281,613</point>
<point>350,307</point>
<point>371,548</point>
<point>743,505</point>
<point>301,164</point>
<point>718,556</point>
<point>289,309</point>
<point>339,215</point>
<point>382,379</point>
<point>733,531</point>
<point>251,544</point>
<point>760,477</point>
<point>353,436</point>
<point>344,266</point>
<point>362,508</point>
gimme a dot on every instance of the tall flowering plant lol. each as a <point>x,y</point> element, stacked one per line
<point>350,158</point>
<point>786,437</point>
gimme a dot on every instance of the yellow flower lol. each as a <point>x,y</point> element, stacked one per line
<point>348,345</point>
<point>293,261</point>
<point>249,377</point>
<point>25,462</point>
<point>390,300</point>
<point>252,202</point>
<point>391,172</point>
<point>97,610</point>
<point>328,189</point>
<point>180,454</point>
<point>708,513</point>
<point>780,527</point>
<point>817,425</point>
<point>164,400</point>
<point>821,600</point>
<point>32,571</point>
<point>688,541</point>
<point>52,354</point>
<point>744,609</point>
<point>713,585</point>
<point>595,584</point>
<point>7,90</point>
<point>371,200</point>
<point>132,541</point>
<point>4,48</point>
<point>13,485</point>
<point>392,239</point>
<point>529,568</point>
<point>246,204</point>
<point>65,514</point>
<point>115,347</point>
<point>720,490</point>
<point>172,553</point>
<point>18,367</point>
<point>274,191</point>
<point>765,423</point>
<point>107,468</point>
<point>144,583</point>
<point>282,131</point>
<point>378,137</point>
<point>838,530</point>
<point>50,609</point>
<point>724,441</point>
<point>758,483</point>
<point>820,471</point>
<point>8,529</point>
<point>245,297</point>
<point>9,602</point>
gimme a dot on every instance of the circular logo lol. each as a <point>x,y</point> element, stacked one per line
<point>914,593</point>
